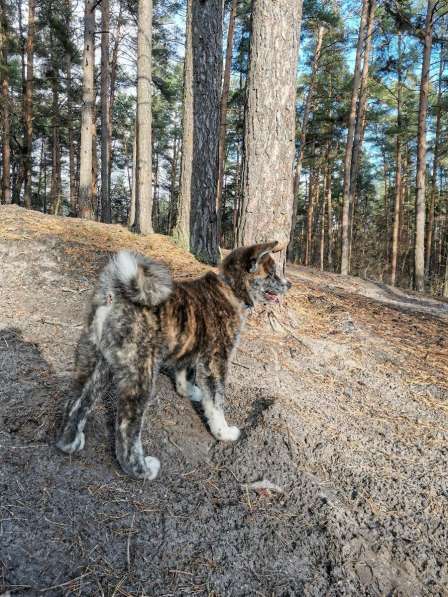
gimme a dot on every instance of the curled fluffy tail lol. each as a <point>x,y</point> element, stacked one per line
<point>137,278</point>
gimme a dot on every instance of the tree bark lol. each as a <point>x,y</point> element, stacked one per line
<point>106,210</point>
<point>181,231</point>
<point>6,122</point>
<point>345,244</point>
<point>207,69</point>
<point>86,204</point>
<point>269,131</point>
<point>223,111</point>
<point>398,181</point>
<point>303,131</point>
<point>28,107</point>
<point>420,208</point>
<point>143,198</point>
<point>329,215</point>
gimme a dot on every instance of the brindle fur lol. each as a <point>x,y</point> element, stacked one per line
<point>141,320</point>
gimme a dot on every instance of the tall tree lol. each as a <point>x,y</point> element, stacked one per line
<point>181,231</point>
<point>6,117</point>
<point>435,164</point>
<point>28,106</point>
<point>86,205</point>
<point>303,131</point>
<point>398,177</point>
<point>269,134</point>
<point>347,198</point>
<point>106,211</point>
<point>223,109</point>
<point>143,199</point>
<point>420,207</point>
<point>206,23</point>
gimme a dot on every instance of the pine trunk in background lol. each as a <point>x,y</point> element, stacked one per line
<point>56,187</point>
<point>173,185</point>
<point>206,24</point>
<point>223,111</point>
<point>28,107</point>
<point>181,231</point>
<point>106,211</point>
<point>420,208</point>
<point>131,212</point>
<point>347,199</point>
<point>303,131</point>
<point>86,205</point>
<point>5,106</point>
<point>71,148</point>
<point>329,206</point>
<point>398,180</point>
<point>113,81</point>
<point>269,132</point>
<point>358,136</point>
<point>143,197</point>
<point>435,165</point>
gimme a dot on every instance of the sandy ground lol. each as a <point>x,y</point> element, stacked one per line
<point>342,393</point>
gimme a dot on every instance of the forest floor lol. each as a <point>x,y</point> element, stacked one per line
<point>342,395</point>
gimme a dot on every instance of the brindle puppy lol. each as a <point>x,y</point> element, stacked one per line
<point>140,320</point>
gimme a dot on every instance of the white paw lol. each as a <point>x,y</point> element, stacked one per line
<point>152,465</point>
<point>195,394</point>
<point>228,434</point>
<point>75,446</point>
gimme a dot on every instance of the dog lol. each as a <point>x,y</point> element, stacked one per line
<point>141,320</point>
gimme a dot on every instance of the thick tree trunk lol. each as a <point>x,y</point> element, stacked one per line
<point>303,131</point>
<point>106,211</point>
<point>86,204</point>
<point>398,181</point>
<point>347,199</point>
<point>435,165</point>
<point>269,135</point>
<point>420,209</point>
<point>143,198</point>
<point>5,107</point>
<point>28,107</point>
<point>223,111</point>
<point>181,231</point>
<point>207,68</point>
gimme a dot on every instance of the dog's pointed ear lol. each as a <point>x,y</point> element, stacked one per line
<point>257,252</point>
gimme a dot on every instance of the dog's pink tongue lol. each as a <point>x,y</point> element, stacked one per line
<point>272,297</point>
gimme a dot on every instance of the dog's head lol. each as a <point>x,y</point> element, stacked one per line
<point>252,274</point>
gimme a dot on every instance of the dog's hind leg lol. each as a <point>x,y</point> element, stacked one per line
<point>185,384</point>
<point>133,399</point>
<point>72,438</point>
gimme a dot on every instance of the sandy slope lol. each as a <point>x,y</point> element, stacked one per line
<point>342,394</point>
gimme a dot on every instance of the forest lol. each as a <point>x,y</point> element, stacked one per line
<point>222,123</point>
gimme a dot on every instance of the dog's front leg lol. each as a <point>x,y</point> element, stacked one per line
<point>130,414</point>
<point>213,405</point>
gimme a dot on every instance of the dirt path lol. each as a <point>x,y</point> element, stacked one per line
<point>343,399</point>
